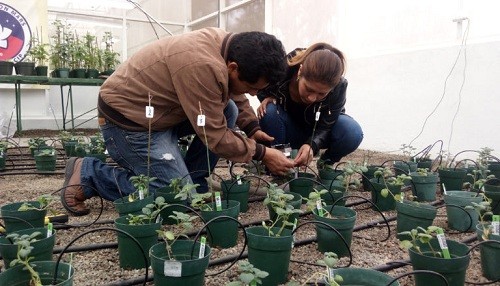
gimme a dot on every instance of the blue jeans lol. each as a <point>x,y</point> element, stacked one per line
<point>130,151</point>
<point>345,137</point>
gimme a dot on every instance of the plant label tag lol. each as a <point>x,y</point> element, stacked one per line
<point>442,243</point>
<point>495,224</point>
<point>317,115</point>
<point>49,229</point>
<point>444,190</point>
<point>200,120</point>
<point>330,272</point>
<point>239,180</point>
<point>172,268</point>
<point>293,229</point>
<point>141,195</point>
<point>203,242</point>
<point>319,206</point>
<point>150,111</point>
<point>288,151</point>
<point>218,202</point>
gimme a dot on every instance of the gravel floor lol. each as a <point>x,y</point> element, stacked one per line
<point>100,267</point>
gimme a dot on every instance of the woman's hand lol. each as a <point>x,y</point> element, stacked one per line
<point>261,110</point>
<point>304,156</point>
<point>261,136</point>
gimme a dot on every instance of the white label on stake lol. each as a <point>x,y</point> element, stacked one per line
<point>201,120</point>
<point>496,227</point>
<point>444,190</point>
<point>172,268</point>
<point>141,195</point>
<point>319,206</point>
<point>150,111</point>
<point>442,241</point>
<point>203,242</point>
<point>288,151</point>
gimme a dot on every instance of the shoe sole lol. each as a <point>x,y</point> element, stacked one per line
<point>70,165</point>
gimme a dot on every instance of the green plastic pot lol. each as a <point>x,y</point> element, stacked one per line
<point>169,197</point>
<point>424,164</point>
<point>494,168</point>
<point>77,73</point>
<point>128,251</point>
<point>343,220</point>
<point>124,207</point>
<point>296,203</point>
<point>69,148</point>
<point>25,68</point>
<point>452,179</point>
<point>186,269</point>
<point>492,191</point>
<point>425,186</point>
<point>232,190</point>
<point>369,174</point>
<point>411,215</point>
<point>91,73</point>
<point>336,192</point>
<point>42,248</point>
<point>302,185</point>
<point>3,158</point>
<point>452,269</point>
<point>6,68</point>
<point>490,254</point>
<point>45,163</point>
<point>329,174</point>
<point>363,276</point>
<point>223,232</point>
<point>405,167</point>
<point>270,253</point>
<point>35,217</point>
<point>457,218</point>
<point>17,276</point>
<point>41,70</point>
<point>387,203</point>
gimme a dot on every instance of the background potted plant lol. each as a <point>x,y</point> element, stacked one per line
<point>45,159</point>
<point>3,154</point>
<point>6,67</point>
<point>109,58</point>
<point>134,202</point>
<point>143,227</point>
<point>60,49</point>
<point>40,53</point>
<point>91,58</point>
<point>29,213</point>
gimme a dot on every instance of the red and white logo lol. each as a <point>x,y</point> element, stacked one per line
<point>15,34</point>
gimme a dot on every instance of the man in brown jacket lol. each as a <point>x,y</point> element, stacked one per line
<point>194,83</point>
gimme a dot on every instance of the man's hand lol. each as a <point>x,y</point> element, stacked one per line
<point>304,156</point>
<point>277,162</point>
<point>261,136</point>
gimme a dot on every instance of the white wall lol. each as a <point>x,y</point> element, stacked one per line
<point>399,54</point>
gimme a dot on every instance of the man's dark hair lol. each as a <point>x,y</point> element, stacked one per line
<point>258,55</point>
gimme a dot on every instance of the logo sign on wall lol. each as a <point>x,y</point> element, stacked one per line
<point>15,34</point>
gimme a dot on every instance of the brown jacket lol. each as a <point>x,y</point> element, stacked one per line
<point>180,73</point>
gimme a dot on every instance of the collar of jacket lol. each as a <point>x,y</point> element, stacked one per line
<point>225,46</point>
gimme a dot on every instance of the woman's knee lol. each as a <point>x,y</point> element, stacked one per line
<point>348,131</point>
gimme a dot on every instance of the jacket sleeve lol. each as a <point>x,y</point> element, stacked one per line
<point>335,105</point>
<point>196,89</point>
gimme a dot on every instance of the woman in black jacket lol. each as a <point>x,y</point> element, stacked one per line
<point>306,109</point>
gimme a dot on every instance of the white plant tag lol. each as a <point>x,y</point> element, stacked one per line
<point>218,201</point>
<point>49,229</point>
<point>288,151</point>
<point>203,242</point>
<point>201,120</point>
<point>444,190</point>
<point>495,225</point>
<point>319,206</point>
<point>172,268</point>
<point>141,195</point>
<point>150,111</point>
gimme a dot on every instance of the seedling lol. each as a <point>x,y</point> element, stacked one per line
<point>183,226</point>
<point>389,178</point>
<point>141,184</point>
<point>423,236</point>
<point>328,277</point>
<point>199,201</point>
<point>24,249</point>
<point>248,275</point>
<point>280,203</point>
<point>149,213</point>
<point>43,200</point>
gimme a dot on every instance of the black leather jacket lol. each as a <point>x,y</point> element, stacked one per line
<point>330,108</point>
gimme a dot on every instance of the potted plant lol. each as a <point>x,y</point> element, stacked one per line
<point>179,262</point>
<point>37,144</point>
<point>270,246</point>
<point>40,53</point>
<point>385,183</point>
<point>430,250</point>
<point>91,56</point>
<point>28,214</point>
<point>458,202</point>
<point>143,227</point>
<point>41,241</point>
<point>45,159</point>
<point>340,218</point>
<point>96,148</point>
<point>76,56</point>
<point>236,189</point>
<point>60,49</point>
<point>109,57</point>
<point>406,165</point>
<point>425,184</point>
<point>6,67</point>
<point>490,252</point>
<point>176,193</point>
<point>222,232</point>
<point>25,272</point>
<point>133,203</point>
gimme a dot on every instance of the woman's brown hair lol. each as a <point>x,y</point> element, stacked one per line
<point>320,62</point>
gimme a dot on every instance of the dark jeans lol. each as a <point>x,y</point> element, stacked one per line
<point>130,151</point>
<point>345,136</point>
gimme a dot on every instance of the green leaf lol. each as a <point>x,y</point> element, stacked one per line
<point>246,277</point>
<point>384,192</point>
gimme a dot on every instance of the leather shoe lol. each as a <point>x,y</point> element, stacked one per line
<point>72,195</point>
